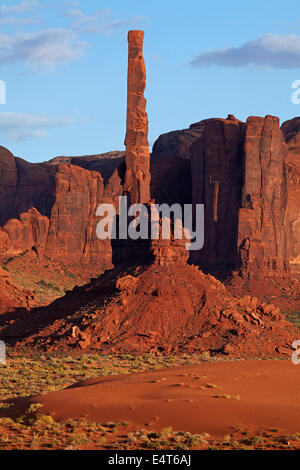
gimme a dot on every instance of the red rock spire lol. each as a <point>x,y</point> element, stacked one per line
<point>137,178</point>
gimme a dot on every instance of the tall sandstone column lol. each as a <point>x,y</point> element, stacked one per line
<point>137,178</point>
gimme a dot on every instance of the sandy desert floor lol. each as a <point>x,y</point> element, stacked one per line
<point>247,404</point>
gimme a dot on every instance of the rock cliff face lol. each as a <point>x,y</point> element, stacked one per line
<point>104,163</point>
<point>239,174</point>
<point>171,178</point>
<point>29,231</point>
<point>177,144</point>
<point>262,232</point>
<point>137,178</point>
<point>291,131</point>
<point>73,217</point>
<point>24,185</point>
<point>8,175</point>
<point>68,234</point>
<point>217,168</point>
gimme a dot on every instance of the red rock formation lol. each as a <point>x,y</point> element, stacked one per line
<point>12,296</point>
<point>239,174</point>
<point>137,178</point>
<point>8,175</point>
<point>156,309</point>
<point>69,233</point>
<point>72,230</point>
<point>225,164</point>
<point>262,233</point>
<point>104,163</point>
<point>291,131</point>
<point>24,185</point>
<point>28,232</point>
<point>217,160</point>
<point>177,144</point>
<point>171,179</point>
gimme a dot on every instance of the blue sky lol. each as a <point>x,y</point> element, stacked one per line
<point>65,64</point>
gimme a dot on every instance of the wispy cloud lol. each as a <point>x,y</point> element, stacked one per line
<point>14,15</point>
<point>22,7</point>
<point>43,49</point>
<point>18,127</point>
<point>99,22</point>
<point>15,21</point>
<point>63,4</point>
<point>267,51</point>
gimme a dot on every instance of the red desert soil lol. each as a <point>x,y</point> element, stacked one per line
<point>209,397</point>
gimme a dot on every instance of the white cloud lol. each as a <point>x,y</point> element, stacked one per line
<point>19,126</point>
<point>26,5</point>
<point>74,13</point>
<point>15,21</point>
<point>62,4</point>
<point>44,49</point>
<point>9,15</point>
<point>98,22</point>
<point>267,51</point>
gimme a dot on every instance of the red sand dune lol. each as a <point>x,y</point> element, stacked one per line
<point>189,398</point>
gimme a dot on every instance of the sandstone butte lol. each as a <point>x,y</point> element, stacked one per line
<point>246,176</point>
